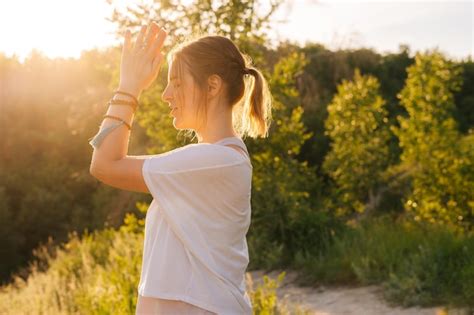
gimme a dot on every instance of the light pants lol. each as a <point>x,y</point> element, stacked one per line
<point>155,306</point>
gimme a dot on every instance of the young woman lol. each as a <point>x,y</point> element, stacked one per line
<point>195,251</point>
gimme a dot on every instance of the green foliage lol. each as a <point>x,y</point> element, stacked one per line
<point>357,126</point>
<point>416,263</point>
<point>443,163</point>
<point>326,69</point>
<point>436,271</point>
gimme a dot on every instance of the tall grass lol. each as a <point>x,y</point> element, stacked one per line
<point>416,264</point>
<point>93,275</point>
<point>99,274</point>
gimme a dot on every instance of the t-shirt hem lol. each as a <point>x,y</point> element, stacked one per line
<point>184,298</point>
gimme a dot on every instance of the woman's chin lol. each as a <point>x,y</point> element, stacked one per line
<point>176,123</point>
<point>179,123</point>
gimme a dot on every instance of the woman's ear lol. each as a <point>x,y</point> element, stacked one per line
<point>214,85</point>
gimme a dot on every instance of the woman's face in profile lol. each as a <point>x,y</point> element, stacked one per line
<point>179,94</point>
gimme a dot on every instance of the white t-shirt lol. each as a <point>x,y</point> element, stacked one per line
<point>195,247</point>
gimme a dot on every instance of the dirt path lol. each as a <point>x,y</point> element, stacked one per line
<point>365,300</point>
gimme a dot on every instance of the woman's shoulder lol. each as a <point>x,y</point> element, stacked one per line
<point>196,156</point>
<point>213,152</point>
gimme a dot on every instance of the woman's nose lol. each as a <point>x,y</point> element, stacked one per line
<point>166,96</point>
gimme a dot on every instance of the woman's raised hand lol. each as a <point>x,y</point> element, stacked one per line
<point>141,62</point>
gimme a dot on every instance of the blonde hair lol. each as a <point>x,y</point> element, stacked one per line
<point>247,89</point>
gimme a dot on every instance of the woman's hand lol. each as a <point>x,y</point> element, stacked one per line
<point>142,61</point>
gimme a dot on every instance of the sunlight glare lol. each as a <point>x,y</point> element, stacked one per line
<point>56,28</point>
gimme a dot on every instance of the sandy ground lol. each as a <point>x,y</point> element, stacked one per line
<point>366,300</point>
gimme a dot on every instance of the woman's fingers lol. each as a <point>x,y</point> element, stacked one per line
<point>152,31</point>
<point>139,42</point>
<point>126,43</point>
<point>158,43</point>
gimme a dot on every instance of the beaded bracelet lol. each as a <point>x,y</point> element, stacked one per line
<point>122,102</point>
<point>120,119</point>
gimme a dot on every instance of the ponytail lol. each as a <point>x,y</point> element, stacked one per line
<point>257,109</point>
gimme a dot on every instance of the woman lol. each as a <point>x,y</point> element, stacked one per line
<point>195,251</point>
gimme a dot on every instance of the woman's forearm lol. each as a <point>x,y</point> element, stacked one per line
<point>115,145</point>
<point>139,67</point>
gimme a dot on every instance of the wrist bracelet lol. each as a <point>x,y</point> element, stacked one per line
<point>123,102</point>
<point>128,94</point>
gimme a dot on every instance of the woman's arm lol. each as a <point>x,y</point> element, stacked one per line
<point>139,68</point>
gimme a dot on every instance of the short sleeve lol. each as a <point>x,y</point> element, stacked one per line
<point>191,157</point>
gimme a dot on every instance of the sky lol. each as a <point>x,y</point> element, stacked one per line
<point>63,28</point>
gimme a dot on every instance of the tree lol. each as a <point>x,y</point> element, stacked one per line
<point>442,161</point>
<point>357,126</point>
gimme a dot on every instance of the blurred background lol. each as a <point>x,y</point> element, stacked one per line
<point>367,176</point>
